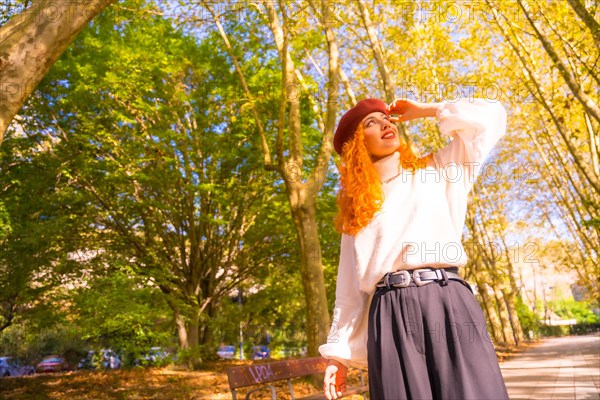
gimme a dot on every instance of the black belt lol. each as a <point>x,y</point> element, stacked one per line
<point>420,277</point>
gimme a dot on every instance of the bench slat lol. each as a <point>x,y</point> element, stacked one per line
<point>243,376</point>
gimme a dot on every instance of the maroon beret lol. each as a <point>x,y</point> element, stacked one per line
<point>350,120</point>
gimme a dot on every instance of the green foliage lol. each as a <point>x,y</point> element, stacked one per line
<point>124,313</point>
<point>34,226</point>
<point>572,309</point>
<point>165,180</point>
<point>551,330</point>
<point>5,228</point>
<point>30,341</point>
<point>193,357</point>
<point>528,319</point>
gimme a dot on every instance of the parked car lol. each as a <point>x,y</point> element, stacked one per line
<point>294,351</point>
<point>87,362</point>
<point>104,358</point>
<point>261,352</point>
<point>10,366</point>
<point>226,352</point>
<point>52,364</point>
<point>157,355</point>
<point>110,359</point>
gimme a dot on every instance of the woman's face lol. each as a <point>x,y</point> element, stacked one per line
<point>381,135</point>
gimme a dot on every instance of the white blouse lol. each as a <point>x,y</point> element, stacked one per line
<point>420,223</point>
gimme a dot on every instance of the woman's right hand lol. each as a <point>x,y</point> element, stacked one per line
<point>409,109</point>
<point>334,383</point>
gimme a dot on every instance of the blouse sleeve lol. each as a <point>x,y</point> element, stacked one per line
<point>475,126</point>
<point>347,339</point>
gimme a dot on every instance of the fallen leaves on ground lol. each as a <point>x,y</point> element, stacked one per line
<point>505,352</point>
<point>210,383</point>
<point>137,384</point>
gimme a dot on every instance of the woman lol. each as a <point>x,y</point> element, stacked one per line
<point>401,308</point>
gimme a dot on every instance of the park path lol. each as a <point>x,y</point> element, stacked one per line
<point>558,368</point>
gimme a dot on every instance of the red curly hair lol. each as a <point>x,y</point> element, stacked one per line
<point>361,193</point>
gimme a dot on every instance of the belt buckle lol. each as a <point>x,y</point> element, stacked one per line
<point>406,276</point>
<point>417,277</point>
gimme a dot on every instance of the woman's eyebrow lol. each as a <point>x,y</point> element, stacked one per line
<point>373,116</point>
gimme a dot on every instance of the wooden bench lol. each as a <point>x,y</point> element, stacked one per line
<point>265,374</point>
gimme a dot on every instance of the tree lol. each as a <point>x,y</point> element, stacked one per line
<point>172,189</point>
<point>292,150</point>
<point>559,116</point>
<point>424,52</point>
<point>31,41</point>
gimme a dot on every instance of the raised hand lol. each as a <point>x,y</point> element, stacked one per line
<point>407,110</point>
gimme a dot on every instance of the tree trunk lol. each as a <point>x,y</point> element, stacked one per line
<point>193,329</point>
<point>515,325</point>
<point>504,318</point>
<point>187,328</point>
<point>378,52</point>
<point>31,42</point>
<point>303,195</point>
<point>317,314</point>
<point>510,296</point>
<point>182,332</point>
<point>207,331</point>
<point>489,311</point>
<point>379,55</point>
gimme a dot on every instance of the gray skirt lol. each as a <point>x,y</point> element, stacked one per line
<point>431,342</point>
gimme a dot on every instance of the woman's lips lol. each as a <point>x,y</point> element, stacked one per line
<point>389,135</point>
